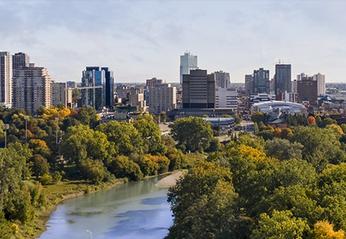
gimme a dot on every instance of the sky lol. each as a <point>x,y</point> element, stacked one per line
<point>143,39</point>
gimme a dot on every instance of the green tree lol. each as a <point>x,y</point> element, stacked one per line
<point>149,132</point>
<point>93,170</point>
<point>280,225</point>
<point>210,213</point>
<point>122,167</point>
<point>39,166</point>
<point>124,136</point>
<point>192,134</point>
<point>282,149</point>
<point>81,143</point>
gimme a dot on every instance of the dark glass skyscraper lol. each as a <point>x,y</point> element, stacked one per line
<point>97,88</point>
<point>261,83</point>
<point>282,80</point>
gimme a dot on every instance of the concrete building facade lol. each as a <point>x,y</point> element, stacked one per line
<point>226,98</point>
<point>31,88</point>
<point>6,79</point>
<point>222,79</point>
<point>162,98</point>
<point>198,89</point>
<point>59,93</point>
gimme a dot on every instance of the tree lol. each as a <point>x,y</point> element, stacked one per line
<point>192,134</point>
<point>324,230</point>
<point>280,225</point>
<point>39,166</point>
<point>311,120</point>
<point>149,132</point>
<point>320,145</point>
<point>210,213</point>
<point>81,143</point>
<point>283,149</point>
<point>93,170</point>
<point>122,167</point>
<point>87,116</point>
<point>124,136</point>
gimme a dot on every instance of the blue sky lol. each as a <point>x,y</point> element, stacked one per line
<point>142,39</point>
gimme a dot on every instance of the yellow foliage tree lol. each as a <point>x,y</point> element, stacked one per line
<point>336,128</point>
<point>252,153</point>
<point>324,230</point>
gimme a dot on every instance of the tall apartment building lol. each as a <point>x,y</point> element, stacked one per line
<point>153,82</point>
<point>59,93</point>
<point>188,62</point>
<point>321,83</point>
<point>31,88</point>
<point>5,79</point>
<point>261,82</point>
<point>136,99</point>
<point>222,79</point>
<point>282,80</point>
<point>249,85</point>
<point>162,98</point>
<point>198,89</point>
<point>97,88</point>
<point>226,98</point>
<point>307,89</point>
<point>20,60</point>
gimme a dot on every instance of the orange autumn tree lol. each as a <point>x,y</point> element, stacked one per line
<point>325,230</point>
<point>311,120</point>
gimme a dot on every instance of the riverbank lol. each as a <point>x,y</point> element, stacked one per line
<point>171,180</point>
<point>56,194</point>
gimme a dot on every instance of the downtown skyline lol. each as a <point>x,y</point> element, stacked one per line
<point>140,40</point>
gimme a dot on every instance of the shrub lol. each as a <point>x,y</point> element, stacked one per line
<point>122,167</point>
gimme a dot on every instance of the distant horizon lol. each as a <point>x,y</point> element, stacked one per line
<point>139,40</point>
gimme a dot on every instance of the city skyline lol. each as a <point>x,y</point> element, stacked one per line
<point>231,36</point>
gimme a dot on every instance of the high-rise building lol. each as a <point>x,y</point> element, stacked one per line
<point>162,98</point>
<point>150,83</point>
<point>261,81</point>
<point>5,79</point>
<point>153,82</point>
<point>136,99</point>
<point>321,83</point>
<point>31,88</point>
<point>226,98</point>
<point>249,84</point>
<point>108,87</point>
<point>188,62</point>
<point>282,80</point>
<point>20,60</point>
<point>59,93</point>
<point>97,88</point>
<point>198,89</point>
<point>222,79</point>
<point>307,89</point>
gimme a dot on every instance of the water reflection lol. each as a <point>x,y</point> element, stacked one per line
<point>134,210</point>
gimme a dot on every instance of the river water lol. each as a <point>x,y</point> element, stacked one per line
<point>129,211</point>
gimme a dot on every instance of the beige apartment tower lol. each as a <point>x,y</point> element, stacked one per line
<point>162,98</point>
<point>31,88</point>
<point>59,93</point>
<point>6,79</point>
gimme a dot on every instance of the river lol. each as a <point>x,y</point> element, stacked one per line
<point>128,211</point>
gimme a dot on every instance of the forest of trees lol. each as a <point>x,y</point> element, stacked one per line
<point>278,183</point>
<point>60,144</point>
<point>282,183</point>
